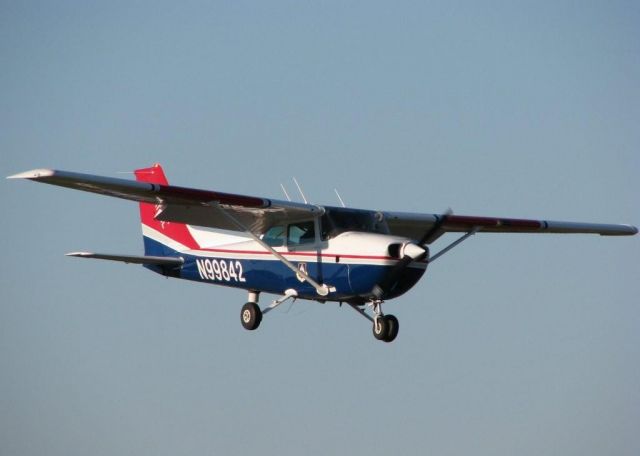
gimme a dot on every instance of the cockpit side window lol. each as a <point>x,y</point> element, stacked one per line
<point>339,220</point>
<point>274,236</point>
<point>301,233</point>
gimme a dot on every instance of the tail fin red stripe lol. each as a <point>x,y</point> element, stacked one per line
<point>176,231</point>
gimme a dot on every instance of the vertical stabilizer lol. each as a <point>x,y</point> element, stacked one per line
<point>157,234</point>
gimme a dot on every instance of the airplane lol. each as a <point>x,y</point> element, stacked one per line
<point>357,257</point>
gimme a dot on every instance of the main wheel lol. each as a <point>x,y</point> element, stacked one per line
<point>250,316</point>
<point>380,328</point>
<point>394,326</point>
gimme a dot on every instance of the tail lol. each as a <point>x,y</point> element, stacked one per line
<point>161,238</point>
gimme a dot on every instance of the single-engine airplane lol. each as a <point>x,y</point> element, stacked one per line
<point>297,251</point>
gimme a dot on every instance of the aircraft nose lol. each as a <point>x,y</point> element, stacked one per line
<point>407,249</point>
<point>413,251</point>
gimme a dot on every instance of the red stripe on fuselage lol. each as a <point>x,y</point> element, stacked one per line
<point>307,254</point>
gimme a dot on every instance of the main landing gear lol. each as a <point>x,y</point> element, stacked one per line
<point>385,327</point>
<point>251,315</point>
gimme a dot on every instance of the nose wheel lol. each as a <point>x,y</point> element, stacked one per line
<point>385,328</point>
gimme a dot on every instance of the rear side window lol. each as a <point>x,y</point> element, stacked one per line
<point>274,236</point>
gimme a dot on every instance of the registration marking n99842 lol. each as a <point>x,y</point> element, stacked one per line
<point>221,270</point>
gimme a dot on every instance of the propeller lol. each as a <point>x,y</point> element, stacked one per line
<point>410,252</point>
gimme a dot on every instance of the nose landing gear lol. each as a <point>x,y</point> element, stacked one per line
<point>385,327</point>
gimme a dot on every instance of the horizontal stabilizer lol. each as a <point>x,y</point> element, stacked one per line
<point>136,259</point>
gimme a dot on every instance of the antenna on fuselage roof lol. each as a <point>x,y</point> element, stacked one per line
<point>338,195</point>
<point>285,192</point>
<point>304,198</point>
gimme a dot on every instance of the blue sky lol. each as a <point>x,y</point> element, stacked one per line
<point>511,344</point>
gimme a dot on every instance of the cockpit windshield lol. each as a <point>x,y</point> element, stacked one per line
<point>337,220</point>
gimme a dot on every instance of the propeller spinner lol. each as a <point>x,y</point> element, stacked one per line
<point>410,252</point>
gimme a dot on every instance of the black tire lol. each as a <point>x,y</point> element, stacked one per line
<point>380,328</point>
<point>250,316</point>
<point>394,326</point>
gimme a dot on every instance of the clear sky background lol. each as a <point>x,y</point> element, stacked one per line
<point>514,344</point>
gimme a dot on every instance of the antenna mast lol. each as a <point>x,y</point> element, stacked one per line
<point>304,198</point>
<point>285,192</point>
<point>338,195</point>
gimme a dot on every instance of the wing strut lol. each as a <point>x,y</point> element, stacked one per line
<point>322,290</point>
<point>473,231</point>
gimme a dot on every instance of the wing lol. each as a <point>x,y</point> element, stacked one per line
<point>414,226</point>
<point>185,205</point>
<point>212,209</point>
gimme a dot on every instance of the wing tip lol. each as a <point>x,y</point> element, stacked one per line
<point>33,174</point>
<point>622,230</point>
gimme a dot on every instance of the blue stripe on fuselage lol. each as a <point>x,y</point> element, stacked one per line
<point>272,276</point>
